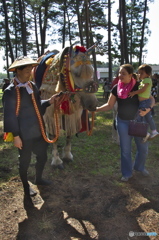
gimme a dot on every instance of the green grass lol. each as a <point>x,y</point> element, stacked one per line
<point>94,155</point>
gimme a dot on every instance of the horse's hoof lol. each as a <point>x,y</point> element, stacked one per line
<point>67,160</point>
<point>60,166</point>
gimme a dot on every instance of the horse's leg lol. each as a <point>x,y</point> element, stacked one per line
<point>67,155</point>
<point>56,160</point>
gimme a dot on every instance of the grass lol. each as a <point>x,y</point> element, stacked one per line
<point>96,154</point>
<point>45,224</point>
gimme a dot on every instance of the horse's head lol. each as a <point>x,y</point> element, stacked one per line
<point>70,70</point>
<point>80,64</point>
<point>78,75</point>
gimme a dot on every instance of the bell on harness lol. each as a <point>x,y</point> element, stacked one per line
<point>91,87</point>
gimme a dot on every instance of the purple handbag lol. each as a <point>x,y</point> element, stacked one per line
<point>138,129</point>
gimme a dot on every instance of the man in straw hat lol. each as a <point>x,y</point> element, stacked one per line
<point>21,101</point>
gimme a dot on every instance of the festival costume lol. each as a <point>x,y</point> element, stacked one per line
<point>127,109</point>
<point>26,125</point>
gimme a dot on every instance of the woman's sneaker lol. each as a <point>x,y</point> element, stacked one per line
<point>124,179</point>
<point>153,135</point>
<point>145,173</point>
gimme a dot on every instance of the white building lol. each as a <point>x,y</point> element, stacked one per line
<point>155,69</point>
<point>102,73</point>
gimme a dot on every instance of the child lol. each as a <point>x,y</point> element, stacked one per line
<point>20,118</point>
<point>144,94</point>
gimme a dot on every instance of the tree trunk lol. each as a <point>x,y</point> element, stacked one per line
<point>64,25</point>
<point>43,39</point>
<point>87,24</point>
<point>36,35</point>
<point>79,22</point>
<point>142,35</point>
<point>23,26</point>
<point>8,40</point>
<point>124,27</point>
<point>121,33</point>
<point>109,41</point>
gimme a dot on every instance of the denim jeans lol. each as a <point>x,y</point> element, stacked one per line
<point>148,117</point>
<point>127,165</point>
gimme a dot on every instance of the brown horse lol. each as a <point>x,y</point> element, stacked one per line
<point>69,73</point>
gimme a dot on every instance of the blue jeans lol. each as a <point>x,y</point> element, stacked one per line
<point>148,117</point>
<point>127,165</point>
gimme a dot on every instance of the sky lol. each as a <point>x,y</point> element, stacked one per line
<point>152,56</point>
<point>153,41</point>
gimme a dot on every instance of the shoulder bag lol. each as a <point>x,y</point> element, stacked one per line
<point>138,129</point>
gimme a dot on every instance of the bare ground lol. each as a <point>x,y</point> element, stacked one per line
<point>80,206</point>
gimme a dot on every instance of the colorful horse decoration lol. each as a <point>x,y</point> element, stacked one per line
<point>68,73</point>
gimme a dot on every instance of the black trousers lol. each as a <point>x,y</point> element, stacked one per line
<point>38,146</point>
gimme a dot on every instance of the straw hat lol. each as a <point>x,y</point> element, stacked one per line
<point>22,61</point>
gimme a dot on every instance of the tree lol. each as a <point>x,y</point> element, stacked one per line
<point>7,44</point>
<point>23,25</point>
<point>130,34</point>
<point>109,40</point>
<point>29,23</point>
<point>143,33</point>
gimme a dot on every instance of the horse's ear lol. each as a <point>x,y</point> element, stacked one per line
<point>90,50</point>
<point>71,51</point>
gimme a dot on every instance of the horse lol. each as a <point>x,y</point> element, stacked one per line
<point>69,74</point>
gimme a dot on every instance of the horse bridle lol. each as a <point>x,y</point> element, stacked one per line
<point>89,87</point>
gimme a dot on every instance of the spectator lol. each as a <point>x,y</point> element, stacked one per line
<point>106,89</point>
<point>115,135</point>
<point>154,93</point>
<point>144,93</point>
<point>6,84</point>
<point>127,109</point>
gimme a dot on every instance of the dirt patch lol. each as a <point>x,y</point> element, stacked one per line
<point>81,206</point>
<point>86,200</point>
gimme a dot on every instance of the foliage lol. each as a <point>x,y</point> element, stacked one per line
<point>26,26</point>
<point>136,29</point>
<point>3,75</point>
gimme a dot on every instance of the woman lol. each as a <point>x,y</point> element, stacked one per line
<point>127,109</point>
